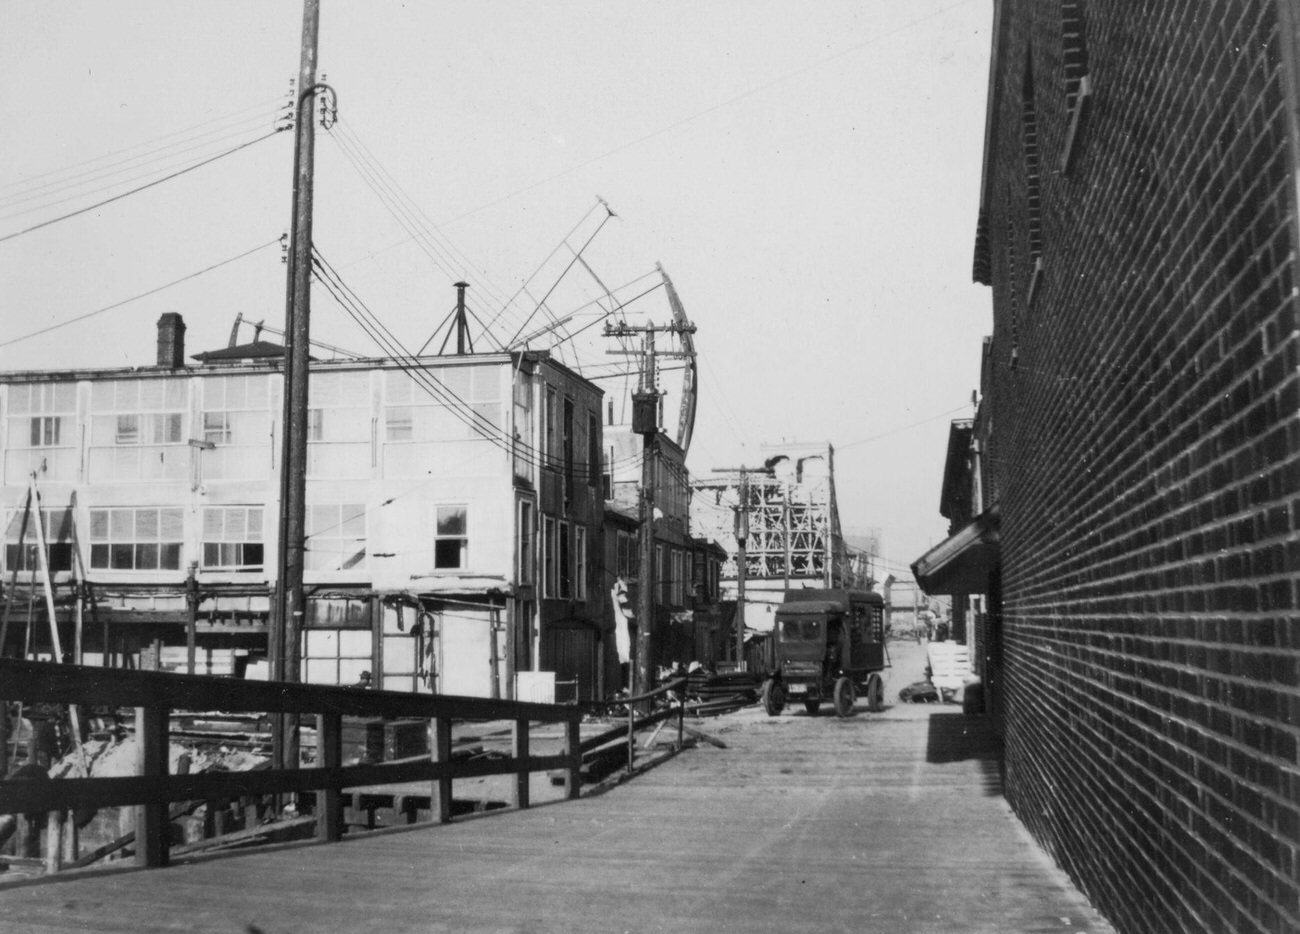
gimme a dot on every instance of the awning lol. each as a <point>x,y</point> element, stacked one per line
<point>962,562</point>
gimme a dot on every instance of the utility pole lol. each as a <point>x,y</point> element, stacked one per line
<point>289,604</point>
<point>645,422</point>
<point>742,539</point>
<point>742,569</point>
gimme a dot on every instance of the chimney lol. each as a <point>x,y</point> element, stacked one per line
<point>171,340</point>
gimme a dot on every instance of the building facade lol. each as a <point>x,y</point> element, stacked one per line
<point>686,570</point>
<point>1139,448</point>
<point>454,511</point>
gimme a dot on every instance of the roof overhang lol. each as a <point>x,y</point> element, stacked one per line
<point>962,562</point>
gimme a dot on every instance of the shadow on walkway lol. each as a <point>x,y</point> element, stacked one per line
<point>955,737</point>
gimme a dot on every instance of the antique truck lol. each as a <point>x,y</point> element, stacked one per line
<point>829,646</point>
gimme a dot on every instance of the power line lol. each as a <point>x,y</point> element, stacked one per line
<point>419,373</point>
<point>134,298</point>
<point>899,430</point>
<point>51,189</point>
<point>736,98</point>
<point>165,178</point>
<point>126,149</point>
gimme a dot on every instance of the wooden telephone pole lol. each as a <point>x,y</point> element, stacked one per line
<point>288,612</point>
<point>645,422</point>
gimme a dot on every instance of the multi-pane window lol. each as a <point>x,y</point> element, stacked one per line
<point>566,561</point>
<point>524,572</point>
<point>216,427</point>
<point>336,537</point>
<point>46,431</point>
<point>550,581</point>
<point>566,447</point>
<point>451,538</point>
<point>148,428</point>
<point>339,425</point>
<point>41,423</point>
<point>442,412</point>
<point>232,538</point>
<point>236,428</point>
<point>142,538</point>
<point>548,429</point>
<point>523,399</point>
<point>336,656</point>
<point>452,403</point>
<point>137,429</point>
<point>43,409</point>
<point>56,525</point>
<point>580,563</point>
<point>627,556</point>
<point>399,424</point>
<point>661,573</point>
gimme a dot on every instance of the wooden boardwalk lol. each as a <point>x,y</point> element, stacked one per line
<point>889,822</point>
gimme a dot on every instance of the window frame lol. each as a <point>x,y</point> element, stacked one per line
<point>550,579</point>
<point>440,537</point>
<point>109,546</point>
<point>580,562</point>
<point>526,543</point>
<point>242,549</point>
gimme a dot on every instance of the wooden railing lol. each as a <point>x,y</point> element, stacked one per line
<point>155,695</point>
<point>628,730</point>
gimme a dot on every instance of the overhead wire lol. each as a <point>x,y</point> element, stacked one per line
<point>435,244</point>
<point>138,189</point>
<point>419,372</point>
<point>28,182</point>
<point>137,297</point>
<point>65,190</point>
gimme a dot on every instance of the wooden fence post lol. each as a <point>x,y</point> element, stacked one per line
<point>329,755</point>
<point>521,754</point>
<point>53,841</point>
<point>681,718</point>
<point>440,745</point>
<point>152,828</point>
<point>631,737</point>
<point>573,752</point>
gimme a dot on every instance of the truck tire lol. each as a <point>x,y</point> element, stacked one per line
<point>844,696</point>
<point>773,698</point>
<point>875,693</point>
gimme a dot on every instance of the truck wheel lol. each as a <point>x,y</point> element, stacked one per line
<point>844,697</point>
<point>875,693</point>
<point>812,707</point>
<point>773,698</point>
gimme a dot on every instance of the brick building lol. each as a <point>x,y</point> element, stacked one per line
<point>1137,443</point>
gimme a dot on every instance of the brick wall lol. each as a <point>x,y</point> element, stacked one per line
<point>1144,407</point>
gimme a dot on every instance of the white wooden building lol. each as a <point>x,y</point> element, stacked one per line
<point>454,509</point>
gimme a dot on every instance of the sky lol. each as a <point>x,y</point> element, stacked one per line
<point>807,173</point>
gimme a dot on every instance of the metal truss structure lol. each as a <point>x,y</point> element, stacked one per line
<point>789,505</point>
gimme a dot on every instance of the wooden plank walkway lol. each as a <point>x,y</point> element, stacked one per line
<point>889,822</point>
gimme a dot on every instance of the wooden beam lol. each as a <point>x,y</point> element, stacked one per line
<point>329,755</point>
<point>151,825</point>
<point>440,744</point>
<point>521,754</point>
<point>92,685</point>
